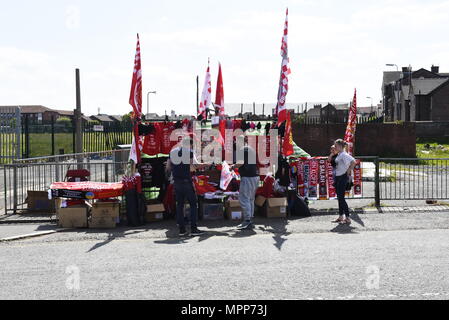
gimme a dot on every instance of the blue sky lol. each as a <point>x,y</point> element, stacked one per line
<point>335,46</point>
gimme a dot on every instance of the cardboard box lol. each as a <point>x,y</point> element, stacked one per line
<point>38,202</point>
<point>155,212</point>
<point>234,210</point>
<point>105,210</point>
<point>276,208</point>
<point>260,201</point>
<point>73,217</point>
<point>103,222</point>
<point>212,211</point>
<point>154,216</point>
<point>156,208</point>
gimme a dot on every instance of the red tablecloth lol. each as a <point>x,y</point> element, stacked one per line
<point>87,190</point>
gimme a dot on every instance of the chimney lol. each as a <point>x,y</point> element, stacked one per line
<point>435,69</point>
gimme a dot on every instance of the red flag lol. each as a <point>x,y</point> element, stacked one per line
<point>219,99</point>
<point>135,100</point>
<point>287,147</point>
<point>281,109</point>
<point>352,125</point>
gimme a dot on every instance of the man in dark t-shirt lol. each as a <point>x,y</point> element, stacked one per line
<point>181,163</point>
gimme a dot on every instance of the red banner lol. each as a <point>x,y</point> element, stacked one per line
<point>313,183</point>
<point>300,172</point>
<point>358,179</point>
<point>332,192</point>
<point>306,178</point>
<point>315,178</point>
<point>323,180</point>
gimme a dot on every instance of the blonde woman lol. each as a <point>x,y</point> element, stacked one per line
<point>345,165</point>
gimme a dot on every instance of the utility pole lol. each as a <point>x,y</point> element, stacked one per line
<point>197,95</point>
<point>78,129</point>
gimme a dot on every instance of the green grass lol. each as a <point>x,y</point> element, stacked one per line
<point>436,151</point>
<point>40,144</point>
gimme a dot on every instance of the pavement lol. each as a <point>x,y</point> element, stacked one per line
<point>380,256</point>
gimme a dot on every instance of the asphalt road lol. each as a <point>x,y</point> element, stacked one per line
<point>398,256</point>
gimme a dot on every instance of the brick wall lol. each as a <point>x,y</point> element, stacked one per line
<point>378,139</point>
<point>432,130</point>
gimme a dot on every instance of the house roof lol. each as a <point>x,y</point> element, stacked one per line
<point>65,112</point>
<point>391,76</point>
<point>102,118</point>
<point>116,118</point>
<point>444,84</point>
<point>423,73</point>
<point>32,109</point>
<point>426,86</point>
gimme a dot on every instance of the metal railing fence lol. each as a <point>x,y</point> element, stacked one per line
<point>383,178</point>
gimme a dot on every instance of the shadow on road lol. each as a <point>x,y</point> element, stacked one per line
<point>117,234</point>
<point>279,229</point>
<point>355,217</point>
<point>344,229</point>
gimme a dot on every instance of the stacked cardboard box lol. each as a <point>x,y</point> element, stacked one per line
<point>212,210</point>
<point>38,201</point>
<point>72,217</point>
<point>155,212</point>
<point>273,207</point>
<point>234,210</point>
<point>104,215</point>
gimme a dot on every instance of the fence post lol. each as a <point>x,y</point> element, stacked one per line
<point>377,182</point>
<point>5,189</point>
<point>18,134</point>
<point>106,172</point>
<point>53,149</point>
<point>15,193</point>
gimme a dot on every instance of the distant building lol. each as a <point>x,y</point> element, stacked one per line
<point>38,113</point>
<point>102,118</point>
<point>420,95</point>
<point>331,113</point>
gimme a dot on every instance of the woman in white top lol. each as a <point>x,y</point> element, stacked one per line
<point>343,172</point>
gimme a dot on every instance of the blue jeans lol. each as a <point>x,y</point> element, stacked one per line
<point>247,196</point>
<point>340,184</point>
<point>184,191</point>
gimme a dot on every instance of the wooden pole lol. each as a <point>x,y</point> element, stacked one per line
<point>78,128</point>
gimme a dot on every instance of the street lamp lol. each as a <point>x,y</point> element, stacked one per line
<point>148,100</point>
<point>393,65</point>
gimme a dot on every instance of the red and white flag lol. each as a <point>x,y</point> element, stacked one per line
<point>287,146</point>
<point>135,100</point>
<point>206,97</point>
<point>352,125</point>
<point>281,109</point>
<point>219,98</point>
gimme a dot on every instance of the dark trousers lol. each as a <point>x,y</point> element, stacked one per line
<point>184,191</point>
<point>340,184</point>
